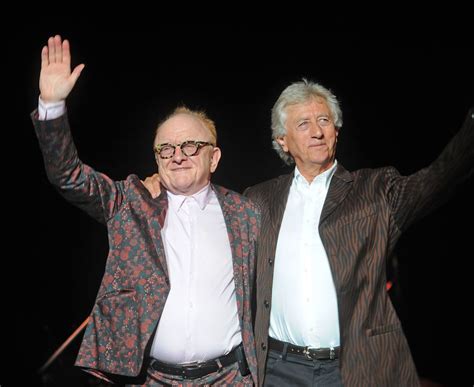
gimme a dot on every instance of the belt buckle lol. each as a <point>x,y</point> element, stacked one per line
<point>193,365</point>
<point>307,353</point>
<point>332,353</point>
<point>188,368</point>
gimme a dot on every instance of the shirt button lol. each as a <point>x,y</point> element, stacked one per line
<point>266,303</point>
<point>264,346</point>
<point>270,261</point>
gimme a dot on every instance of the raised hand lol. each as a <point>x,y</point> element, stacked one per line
<point>56,79</point>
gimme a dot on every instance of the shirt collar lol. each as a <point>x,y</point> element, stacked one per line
<point>202,198</point>
<point>324,178</point>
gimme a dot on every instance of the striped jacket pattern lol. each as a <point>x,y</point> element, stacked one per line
<point>363,216</point>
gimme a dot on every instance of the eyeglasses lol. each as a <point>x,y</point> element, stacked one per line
<point>189,148</point>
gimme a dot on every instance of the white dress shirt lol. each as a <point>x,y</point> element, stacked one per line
<point>50,110</point>
<point>304,304</point>
<point>200,319</point>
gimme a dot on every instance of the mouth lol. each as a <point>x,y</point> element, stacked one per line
<point>181,169</point>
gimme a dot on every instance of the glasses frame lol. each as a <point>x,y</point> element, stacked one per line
<point>199,144</point>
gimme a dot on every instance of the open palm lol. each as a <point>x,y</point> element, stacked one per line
<point>56,78</point>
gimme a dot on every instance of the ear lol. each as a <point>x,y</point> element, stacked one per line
<point>282,141</point>
<point>215,157</point>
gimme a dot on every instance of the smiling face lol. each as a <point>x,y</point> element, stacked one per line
<point>180,174</point>
<point>310,137</point>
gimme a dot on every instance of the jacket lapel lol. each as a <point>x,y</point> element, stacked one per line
<point>278,203</point>
<point>234,232</point>
<point>156,221</point>
<point>338,190</point>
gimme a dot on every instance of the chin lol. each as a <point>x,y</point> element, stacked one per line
<point>183,189</point>
<point>320,160</point>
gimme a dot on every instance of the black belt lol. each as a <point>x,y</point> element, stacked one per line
<point>198,370</point>
<point>307,352</point>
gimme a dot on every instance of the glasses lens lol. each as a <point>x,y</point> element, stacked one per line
<point>189,148</point>
<point>166,151</point>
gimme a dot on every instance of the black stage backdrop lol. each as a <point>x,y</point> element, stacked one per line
<point>403,98</point>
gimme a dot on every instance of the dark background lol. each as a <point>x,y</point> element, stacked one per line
<point>403,97</point>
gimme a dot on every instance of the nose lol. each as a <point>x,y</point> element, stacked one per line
<point>316,131</point>
<point>179,156</point>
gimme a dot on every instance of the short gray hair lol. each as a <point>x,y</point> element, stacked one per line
<point>297,93</point>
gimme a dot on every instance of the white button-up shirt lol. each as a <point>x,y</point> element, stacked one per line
<point>304,304</point>
<point>200,319</point>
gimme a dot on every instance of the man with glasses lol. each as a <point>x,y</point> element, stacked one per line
<point>174,303</point>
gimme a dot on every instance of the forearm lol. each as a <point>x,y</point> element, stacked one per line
<point>80,184</point>
<point>425,190</point>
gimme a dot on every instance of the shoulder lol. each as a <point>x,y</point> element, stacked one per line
<point>375,175</point>
<point>268,187</point>
<point>371,182</point>
<point>134,189</point>
<point>231,195</point>
<point>364,174</point>
<point>238,201</point>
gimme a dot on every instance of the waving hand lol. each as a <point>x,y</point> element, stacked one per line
<point>56,78</point>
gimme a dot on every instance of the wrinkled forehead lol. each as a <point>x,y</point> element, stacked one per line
<point>182,127</point>
<point>313,105</point>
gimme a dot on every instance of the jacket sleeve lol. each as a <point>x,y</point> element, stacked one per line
<point>412,197</point>
<point>92,191</point>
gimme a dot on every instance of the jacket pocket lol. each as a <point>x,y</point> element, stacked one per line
<point>358,215</point>
<point>117,332</point>
<point>381,329</point>
<point>118,302</point>
<point>116,293</point>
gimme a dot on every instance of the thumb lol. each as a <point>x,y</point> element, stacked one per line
<point>76,73</point>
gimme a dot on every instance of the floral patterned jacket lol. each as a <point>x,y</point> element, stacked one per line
<point>135,284</point>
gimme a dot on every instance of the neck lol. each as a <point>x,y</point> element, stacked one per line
<point>311,171</point>
<point>189,192</point>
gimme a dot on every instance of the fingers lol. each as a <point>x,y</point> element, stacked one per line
<point>51,51</point>
<point>44,57</point>
<point>58,49</point>
<point>66,52</point>
<point>152,184</point>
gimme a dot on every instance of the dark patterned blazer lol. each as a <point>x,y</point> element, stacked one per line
<point>362,218</point>
<point>135,284</point>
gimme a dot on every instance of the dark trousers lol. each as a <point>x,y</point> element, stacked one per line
<point>295,370</point>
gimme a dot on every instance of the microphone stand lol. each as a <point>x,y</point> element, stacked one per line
<point>63,346</point>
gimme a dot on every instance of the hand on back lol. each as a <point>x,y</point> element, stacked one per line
<point>152,184</point>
